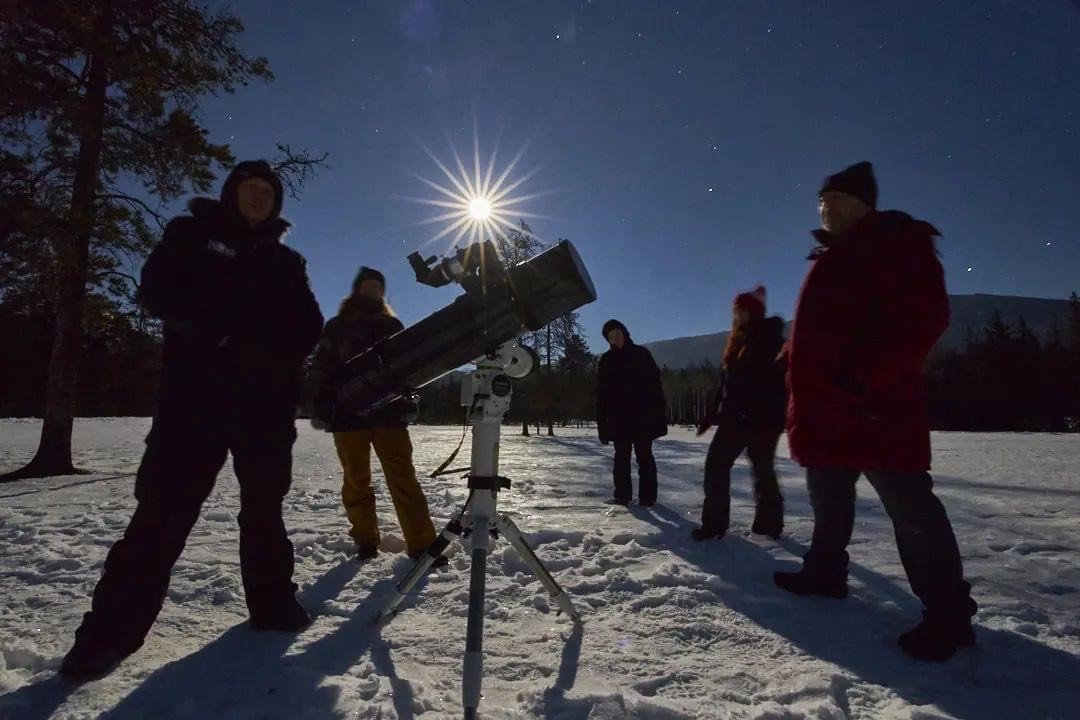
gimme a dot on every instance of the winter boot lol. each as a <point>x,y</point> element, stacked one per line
<point>703,533</point>
<point>289,616</point>
<point>940,634</point>
<point>617,501</point>
<point>805,582</point>
<point>769,520</point>
<point>93,656</point>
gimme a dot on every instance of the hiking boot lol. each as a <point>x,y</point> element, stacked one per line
<point>700,534</point>
<point>938,636</point>
<point>810,583</point>
<point>617,501</point>
<point>289,616</point>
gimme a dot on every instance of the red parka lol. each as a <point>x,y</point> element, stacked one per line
<point>870,310</point>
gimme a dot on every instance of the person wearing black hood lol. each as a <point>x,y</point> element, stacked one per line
<point>630,411</point>
<point>748,410</point>
<point>239,319</point>
<point>363,320</point>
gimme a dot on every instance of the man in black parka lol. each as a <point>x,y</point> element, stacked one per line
<point>239,319</point>
<point>630,411</point>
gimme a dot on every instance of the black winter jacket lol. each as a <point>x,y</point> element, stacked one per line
<point>752,384</point>
<point>239,320</point>
<point>630,401</point>
<point>364,323</point>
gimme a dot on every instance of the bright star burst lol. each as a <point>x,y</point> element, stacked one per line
<point>478,207</point>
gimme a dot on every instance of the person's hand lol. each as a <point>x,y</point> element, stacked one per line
<point>703,428</point>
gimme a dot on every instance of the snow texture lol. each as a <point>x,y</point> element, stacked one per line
<point>673,629</point>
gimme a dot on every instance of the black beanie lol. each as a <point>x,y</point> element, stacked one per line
<point>367,273</point>
<point>245,171</point>
<point>613,325</point>
<point>857,181</point>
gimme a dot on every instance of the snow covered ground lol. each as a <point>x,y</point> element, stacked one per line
<point>672,629</point>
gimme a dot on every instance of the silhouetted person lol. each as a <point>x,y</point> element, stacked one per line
<point>239,320</point>
<point>871,308</point>
<point>630,411</point>
<point>363,320</point>
<point>748,411</point>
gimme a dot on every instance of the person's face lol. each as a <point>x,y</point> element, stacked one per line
<point>255,200</point>
<point>616,338</point>
<point>742,316</point>
<point>840,212</point>
<point>372,288</point>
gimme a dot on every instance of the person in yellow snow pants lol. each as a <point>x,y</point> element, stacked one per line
<point>363,320</point>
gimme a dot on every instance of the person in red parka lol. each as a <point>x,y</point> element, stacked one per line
<point>871,308</point>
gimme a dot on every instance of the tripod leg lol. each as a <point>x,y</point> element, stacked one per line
<point>513,534</point>
<point>473,670</point>
<point>423,563</point>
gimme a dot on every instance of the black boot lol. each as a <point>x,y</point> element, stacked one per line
<point>91,661</point>
<point>703,533</point>
<point>769,519</point>
<point>805,582</point>
<point>940,634</point>
<point>289,616</point>
<point>95,653</point>
<point>366,552</point>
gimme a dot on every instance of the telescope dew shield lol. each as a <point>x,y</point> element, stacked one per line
<point>537,291</point>
<point>551,284</point>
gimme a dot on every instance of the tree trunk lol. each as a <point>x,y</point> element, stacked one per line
<point>53,456</point>
<point>525,428</point>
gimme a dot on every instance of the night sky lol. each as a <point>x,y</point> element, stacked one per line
<point>680,146</point>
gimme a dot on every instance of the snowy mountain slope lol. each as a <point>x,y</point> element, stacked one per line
<point>969,312</point>
<point>672,629</point>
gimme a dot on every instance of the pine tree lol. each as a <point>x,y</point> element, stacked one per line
<point>102,95</point>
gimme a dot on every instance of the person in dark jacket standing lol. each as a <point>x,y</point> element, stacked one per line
<point>364,319</point>
<point>630,411</point>
<point>748,411</point>
<point>239,319</point>
<point>871,308</point>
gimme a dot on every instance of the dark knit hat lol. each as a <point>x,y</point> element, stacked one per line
<point>753,302</point>
<point>857,181</point>
<point>245,171</point>
<point>367,273</point>
<point>615,325</point>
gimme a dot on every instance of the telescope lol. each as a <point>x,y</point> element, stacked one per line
<point>499,304</point>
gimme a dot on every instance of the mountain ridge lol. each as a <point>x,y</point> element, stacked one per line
<point>968,314</point>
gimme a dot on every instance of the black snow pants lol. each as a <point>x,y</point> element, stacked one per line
<point>177,473</point>
<point>732,437</point>
<point>624,489</point>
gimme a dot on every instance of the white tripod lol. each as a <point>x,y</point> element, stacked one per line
<point>487,391</point>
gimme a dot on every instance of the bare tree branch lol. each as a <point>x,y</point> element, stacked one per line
<point>295,168</point>
<point>158,217</point>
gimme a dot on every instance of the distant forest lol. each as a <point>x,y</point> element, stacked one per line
<point>1003,379</point>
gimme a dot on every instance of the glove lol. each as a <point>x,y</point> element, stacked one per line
<point>703,428</point>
